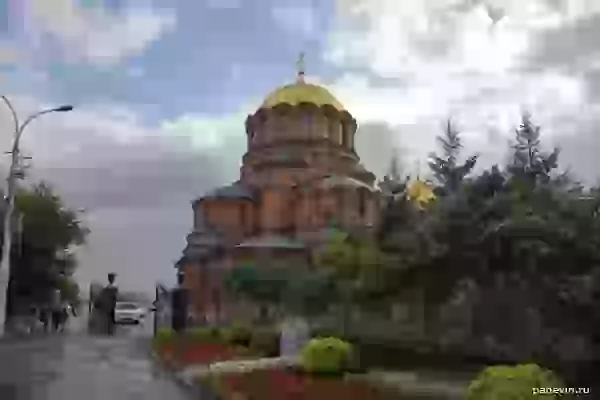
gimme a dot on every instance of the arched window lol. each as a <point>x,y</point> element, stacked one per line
<point>343,135</point>
<point>335,132</point>
<point>307,122</point>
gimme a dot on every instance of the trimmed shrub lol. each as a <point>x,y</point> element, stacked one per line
<point>238,335</point>
<point>265,342</point>
<point>328,356</point>
<point>163,337</point>
<point>513,382</point>
<point>243,351</point>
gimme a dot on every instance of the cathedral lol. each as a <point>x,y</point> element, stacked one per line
<point>300,176</point>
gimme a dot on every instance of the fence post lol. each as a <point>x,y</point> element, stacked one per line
<point>155,310</point>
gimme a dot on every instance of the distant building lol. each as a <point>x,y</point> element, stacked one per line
<point>299,176</point>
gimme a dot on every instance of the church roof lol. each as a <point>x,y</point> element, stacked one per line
<point>236,190</point>
<point>301,92</point>
<point>272,241</point>
<point>201,242</point>
<point>342,180</point>
<point>203,235</point>
<point>203,239</point>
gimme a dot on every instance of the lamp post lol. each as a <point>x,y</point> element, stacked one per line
<point>10,200</point>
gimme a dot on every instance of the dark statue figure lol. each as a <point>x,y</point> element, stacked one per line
<point>110,294</point>
<point>103,314</point>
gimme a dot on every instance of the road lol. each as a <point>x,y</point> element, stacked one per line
<point>79,366</point>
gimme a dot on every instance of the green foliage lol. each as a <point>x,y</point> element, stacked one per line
<point>263,284</point>
<point>42,253</point>
<point>237,335</point>
<point>47,223</point>
<point>346,256</point>
<point>204,335</point>
<point>328,355</point>
<point>70,290</point>
<point>504,382</point>
<point>163,337</point>
<point>448,173</point>
<point>265,342</point>
<point>297,288</point>
<point>521,240</point>
<point>529,164</point>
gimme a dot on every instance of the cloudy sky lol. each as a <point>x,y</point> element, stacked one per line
<point>161,89</point>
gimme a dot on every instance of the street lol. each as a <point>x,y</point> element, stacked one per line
<point>79,366</point>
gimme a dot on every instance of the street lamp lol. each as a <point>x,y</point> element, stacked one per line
<point>10,200</point>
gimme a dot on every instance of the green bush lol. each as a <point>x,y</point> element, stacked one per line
<point>238,335</point>
<point>203,335</point>
<point>265,342</point>
<point>163,337</point>
<point>512,382</point>
<point>327,355</point>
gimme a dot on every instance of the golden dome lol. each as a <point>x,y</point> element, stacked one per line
<point>421,193</point>
<point>301,92</point>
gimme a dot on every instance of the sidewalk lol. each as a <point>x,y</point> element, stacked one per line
<point>65,367</point>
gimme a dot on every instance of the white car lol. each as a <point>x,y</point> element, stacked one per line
<point>129,313</point>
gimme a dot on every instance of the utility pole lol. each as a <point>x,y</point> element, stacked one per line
<point>14,173</point>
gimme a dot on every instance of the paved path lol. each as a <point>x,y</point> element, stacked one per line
<point>77,366</point>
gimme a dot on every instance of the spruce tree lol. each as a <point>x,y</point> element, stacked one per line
<point>447,171</point>
<point>529,163</point>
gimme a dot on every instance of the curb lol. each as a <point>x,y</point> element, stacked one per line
<point>186,383</point>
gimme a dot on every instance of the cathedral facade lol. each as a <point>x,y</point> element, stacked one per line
<point>299,176</point>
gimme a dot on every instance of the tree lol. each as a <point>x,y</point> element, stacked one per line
<point>263,284</point>
<point>353,263</point>
<point>448,172</point>
<point>296,289</point>
<point>529,164</point>
<point>70,290</point>
<point>41,256</point>
<point>521,240</point>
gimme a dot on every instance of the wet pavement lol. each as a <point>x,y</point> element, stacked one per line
<point>78,366</point>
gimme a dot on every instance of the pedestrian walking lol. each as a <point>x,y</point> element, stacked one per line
<point>56,305</point>
<point>44,316</point>
<point>64,316</point>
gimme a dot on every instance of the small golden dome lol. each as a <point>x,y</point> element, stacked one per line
<point>421,193</point>
<point>301,92</point>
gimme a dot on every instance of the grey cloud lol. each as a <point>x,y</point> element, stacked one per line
<point>569,45</point>
<point>579,144</point>
<point>141,244</point>
<point>592,77</point>
<point>378,142</point>
<point>137,194</point>
<point>375,146</point>
<point>149,182</point>
<point>572,49</point>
